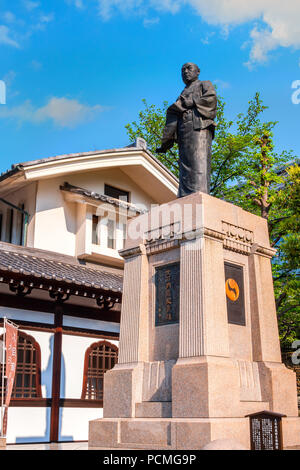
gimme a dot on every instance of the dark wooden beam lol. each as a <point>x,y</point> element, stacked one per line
<point>39,305</point>
<point>45,284</point>
<point>56,373</point>
<point>47,403</point>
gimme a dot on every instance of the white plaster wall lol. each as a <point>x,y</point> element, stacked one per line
<point>55,226</point>
<point>97,325</point>
<point>27,315</point>
<point>74,423</point>
<point>73,352</point>
<point>32,424</point>
<point>45,341</point>
<point>26,425</point>
<point>96,180</point>
<point>25,195</point>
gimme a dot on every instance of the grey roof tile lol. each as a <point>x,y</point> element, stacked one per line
<point>40,267</point>
<point>100,197</point>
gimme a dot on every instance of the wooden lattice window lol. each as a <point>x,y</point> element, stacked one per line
<point>27,382</point>
<point>99,358</point>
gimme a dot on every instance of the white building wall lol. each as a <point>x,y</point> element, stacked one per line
<point>32,424</point>
<point>55,227</point>
<point>26,315</point>
<point>27,196</point>
<point>73,352</point>
<point>27,425</point>
<point>74,421</point>
<point>55,221</point>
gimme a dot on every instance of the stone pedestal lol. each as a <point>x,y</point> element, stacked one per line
<point>188,377</point>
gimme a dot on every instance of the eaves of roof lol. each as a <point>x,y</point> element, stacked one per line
<point>46,266</point>
<point>22,166</point>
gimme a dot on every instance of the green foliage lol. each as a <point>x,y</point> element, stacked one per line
<point>285,233</point>
<point>249,173</point>
<point>150,127</point>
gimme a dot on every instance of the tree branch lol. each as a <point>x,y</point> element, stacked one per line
<point>281,314</point>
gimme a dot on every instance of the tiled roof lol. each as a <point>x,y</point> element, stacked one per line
<point>46,268</point>
<point>100,197</point>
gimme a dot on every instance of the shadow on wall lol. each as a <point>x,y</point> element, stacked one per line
<point>47,383</point>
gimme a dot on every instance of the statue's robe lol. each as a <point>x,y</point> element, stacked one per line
<point>190,122</point>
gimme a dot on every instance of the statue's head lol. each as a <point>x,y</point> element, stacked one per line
<point>189,72</point>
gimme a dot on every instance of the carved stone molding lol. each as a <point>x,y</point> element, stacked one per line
<point>262,250</point>
<point>237,239</point>
<point>237,247</point>
<point>165,232</point>
<point>162,245</point>
<point>233,237</point>
<point>240,234</point>
<point>135,251</point>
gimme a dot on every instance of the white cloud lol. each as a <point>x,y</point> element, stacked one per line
<point>29,5</point>
<point>5,37</point>
<point>36,65</point>
<point>78,3</point>
<point>222,84</point>
<point>47,18</point>
<point>172,6</point>
<point>43,20</point>
<point>282,26</point>
<point>148,22</point>
<point>107,7</point>
<point>63,112</point>
<point>278,19</point>
<point>9,77</point>
<point>9,17</point>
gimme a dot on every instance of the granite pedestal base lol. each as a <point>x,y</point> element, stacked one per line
<point>178,434</point>
<point>199,343</point>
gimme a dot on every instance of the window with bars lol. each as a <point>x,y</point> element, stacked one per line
<point>27,382</point>
<point>99,358</point>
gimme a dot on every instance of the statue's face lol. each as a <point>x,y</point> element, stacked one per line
<point>190,72</point>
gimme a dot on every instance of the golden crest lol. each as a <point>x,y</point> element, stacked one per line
<point>232,289</point>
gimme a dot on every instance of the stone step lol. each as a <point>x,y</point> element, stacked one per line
<point>145,432</point>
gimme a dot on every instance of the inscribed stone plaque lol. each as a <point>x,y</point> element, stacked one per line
<point>167,294</point>
<point>234,287</point>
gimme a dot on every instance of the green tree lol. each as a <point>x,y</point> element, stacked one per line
<point>248,172</point>
<point>150,127</point>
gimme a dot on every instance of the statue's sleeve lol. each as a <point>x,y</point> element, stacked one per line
<point>170,131</point>
<point>206,100</point>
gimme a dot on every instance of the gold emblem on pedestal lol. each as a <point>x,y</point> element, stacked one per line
<point>232,290</point>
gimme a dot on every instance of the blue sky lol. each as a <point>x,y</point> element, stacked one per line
<point>76,70</point>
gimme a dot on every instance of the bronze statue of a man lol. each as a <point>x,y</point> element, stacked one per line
<point>190,122</point>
